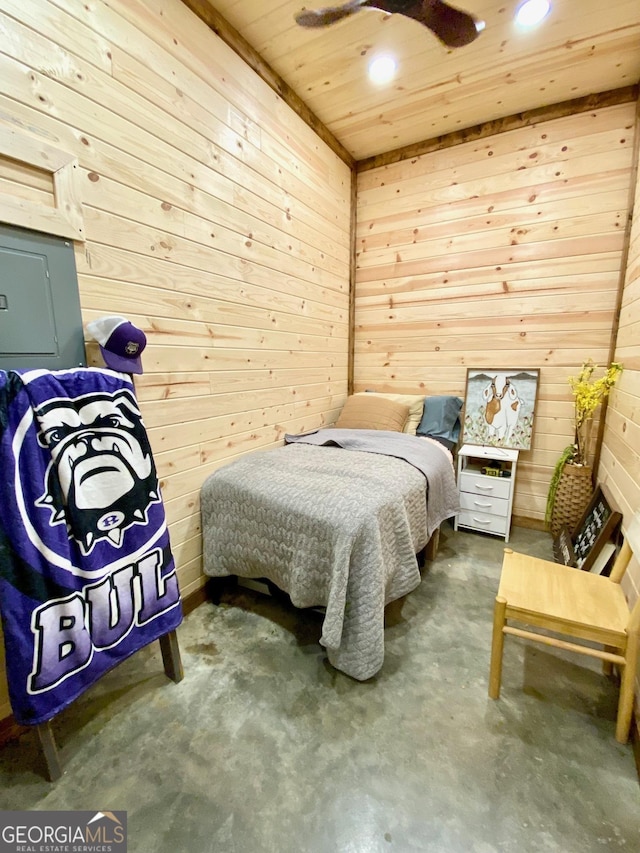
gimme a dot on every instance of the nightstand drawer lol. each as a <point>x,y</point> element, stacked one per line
<point>484,504</point>
<point>481,484</point>
<point>480,521</point>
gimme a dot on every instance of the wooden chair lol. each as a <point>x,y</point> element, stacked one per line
<point>172,663</point>
<point>578,606</point>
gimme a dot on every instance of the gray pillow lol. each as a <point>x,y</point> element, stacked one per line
<point>441,419</point>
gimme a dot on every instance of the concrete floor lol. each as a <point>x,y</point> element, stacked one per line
<point>264,748</point>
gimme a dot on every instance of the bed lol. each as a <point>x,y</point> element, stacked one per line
<point>334,518</point>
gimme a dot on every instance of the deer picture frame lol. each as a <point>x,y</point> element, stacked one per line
<point>499,407</point>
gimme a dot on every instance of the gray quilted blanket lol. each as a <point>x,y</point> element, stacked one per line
<point>333,527</point>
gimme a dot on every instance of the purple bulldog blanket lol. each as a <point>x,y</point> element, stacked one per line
<point>86,571</point>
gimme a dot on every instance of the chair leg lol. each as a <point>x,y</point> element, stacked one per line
<point>49,750</point>
<point>607,666</point>
<point>627,684</point>
<point>171,656</point>
<point>497,646</point>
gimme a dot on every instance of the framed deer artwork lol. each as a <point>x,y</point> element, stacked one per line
<point>499,407</point>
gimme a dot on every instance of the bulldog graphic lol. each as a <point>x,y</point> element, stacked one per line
<point>102,479</point>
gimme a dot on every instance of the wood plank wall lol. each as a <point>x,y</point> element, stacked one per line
<point>620,459</point>
<point>503,252</point>
<point>215,219</point>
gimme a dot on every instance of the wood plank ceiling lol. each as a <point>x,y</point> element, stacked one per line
<point>584,47</point>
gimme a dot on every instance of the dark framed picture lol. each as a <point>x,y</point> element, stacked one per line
<point>499,407</point>
<point>583,547</point>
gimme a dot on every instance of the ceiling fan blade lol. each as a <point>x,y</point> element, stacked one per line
<point>453,27</point>
<point>327,16</point>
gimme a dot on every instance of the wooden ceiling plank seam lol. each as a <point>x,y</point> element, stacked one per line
<point>531,65</point>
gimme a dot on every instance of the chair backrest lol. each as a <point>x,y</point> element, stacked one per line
<point>622,561</point>
<point>630,546</point>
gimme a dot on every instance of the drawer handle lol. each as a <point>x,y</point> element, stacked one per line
<point>487,488</point>
<point>482,520</point>
<point>486,505</point>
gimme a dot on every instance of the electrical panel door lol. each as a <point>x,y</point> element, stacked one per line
<point>40,319</point>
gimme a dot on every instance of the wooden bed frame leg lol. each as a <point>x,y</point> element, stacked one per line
<point>432,545</point>
<point>171,656</point>
<point>49,750</point>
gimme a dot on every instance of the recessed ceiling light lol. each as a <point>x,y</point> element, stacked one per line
<point>382,69</point>
<point>531,12</point>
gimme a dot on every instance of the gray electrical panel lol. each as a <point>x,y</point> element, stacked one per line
<point>40,319</point>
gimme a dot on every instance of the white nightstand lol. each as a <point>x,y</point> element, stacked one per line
<point>486,500</point>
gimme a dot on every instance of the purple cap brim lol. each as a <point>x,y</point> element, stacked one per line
<point>120,363</point>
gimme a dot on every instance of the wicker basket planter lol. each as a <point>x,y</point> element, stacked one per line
<point>572,497</point>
